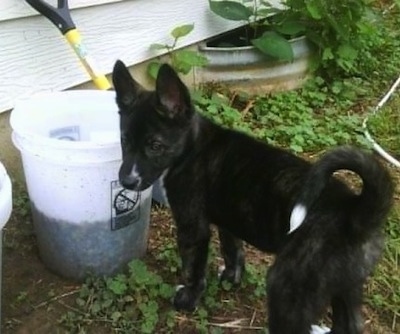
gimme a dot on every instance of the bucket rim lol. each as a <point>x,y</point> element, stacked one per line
<point>81,158</point>
<point>55,143</point>
<point>16,115</point>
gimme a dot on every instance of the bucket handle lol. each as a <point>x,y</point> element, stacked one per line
<point>60,16</point>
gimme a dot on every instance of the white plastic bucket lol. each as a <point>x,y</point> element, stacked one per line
<point>5,210</point>
<point>85,222</point>
<point>5,198</point>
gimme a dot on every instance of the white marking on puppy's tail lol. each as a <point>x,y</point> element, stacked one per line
<point>297,217</point>
<point>319,330</point>
<point>179,287</point>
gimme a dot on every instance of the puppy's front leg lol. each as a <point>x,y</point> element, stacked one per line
<point>193,242</point>
<point>233,254</point>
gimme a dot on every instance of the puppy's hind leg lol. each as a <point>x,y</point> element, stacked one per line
<point>285,316</point>
<point>293,298</point>
<point>346,312</point>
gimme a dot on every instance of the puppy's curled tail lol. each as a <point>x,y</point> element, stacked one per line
<point>371,206</point>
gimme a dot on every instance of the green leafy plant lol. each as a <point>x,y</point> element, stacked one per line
<point>169,256</point>
<point>183,60</point>
<point>267,35</point>
<point>254,277</point>
<point>308,119</point>
<point>128,302</point>
<point>340,30</point>
<point>217,106</point>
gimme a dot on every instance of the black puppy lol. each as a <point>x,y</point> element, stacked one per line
<point>326,237</point>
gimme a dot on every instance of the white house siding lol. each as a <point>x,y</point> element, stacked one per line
<point>12,9</point>
<point>34,57</point>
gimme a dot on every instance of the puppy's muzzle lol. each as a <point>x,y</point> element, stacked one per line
<point>129,177</point>
<point>129,182</point>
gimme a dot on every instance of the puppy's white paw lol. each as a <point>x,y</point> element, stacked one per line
<point>319,329</point>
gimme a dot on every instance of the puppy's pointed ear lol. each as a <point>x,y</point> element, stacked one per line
<point>172,94</point>
<point>126,88</point>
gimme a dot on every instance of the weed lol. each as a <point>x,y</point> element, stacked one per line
<point>21,201</point>
<point>18,236</point>
<point>182,61</point>
<point>169,256</point>
<point>309,119</point>
<point>22,296</point>
<point>256,279</point>
<point>128,302</point>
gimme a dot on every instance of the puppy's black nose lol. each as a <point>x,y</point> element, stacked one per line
<point>129,182</point>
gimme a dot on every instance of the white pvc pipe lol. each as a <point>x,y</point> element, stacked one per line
<point>375,145</point>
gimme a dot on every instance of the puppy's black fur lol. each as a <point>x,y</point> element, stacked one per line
<point>248,190</point>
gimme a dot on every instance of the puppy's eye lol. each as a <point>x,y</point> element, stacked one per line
<point>156,146</point>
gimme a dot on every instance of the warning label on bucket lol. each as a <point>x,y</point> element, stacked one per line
<point>125,208</point>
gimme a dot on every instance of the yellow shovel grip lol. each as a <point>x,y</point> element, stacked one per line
<point>75,40</point>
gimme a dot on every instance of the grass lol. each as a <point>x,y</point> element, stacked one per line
<point>384,125</point>
<point>383,289</point>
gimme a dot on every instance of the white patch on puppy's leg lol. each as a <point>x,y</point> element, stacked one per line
<point>238,274</point>
<point>220,271</point>
<point>162,187</point>
<point>297,217</point>
<point>319,330</point>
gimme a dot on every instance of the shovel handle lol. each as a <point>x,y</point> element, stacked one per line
<point>60,16</point>
<point>75,40</point>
